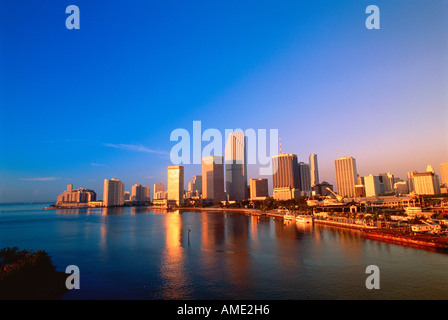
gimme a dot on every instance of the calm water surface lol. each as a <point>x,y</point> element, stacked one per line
<point>138,253</point>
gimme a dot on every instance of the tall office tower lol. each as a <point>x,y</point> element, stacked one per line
<point>113,193</point>
<point>426,183</point>
<point>285,176</point>
<point>141,193</point>
<point>259,189</point>
<point>388,181</point>
<point>213,178</point>
<point>410,181</point>
<point>305,178</point>
<point>444,173</point>
<point>159,191</point>
<point>372,186</point>
<point>176,184</point>
<point>314,171</point>
<point>236,166</point>
<point>195,186</point>
<point>346,176</point>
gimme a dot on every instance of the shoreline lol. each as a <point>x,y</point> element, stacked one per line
<point>366,230</point>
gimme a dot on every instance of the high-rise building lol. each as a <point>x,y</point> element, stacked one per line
<point>444,173</point>
<point>426,183</point>
<point>236,166</point>
<point>372,186</point>
<point>195,186</point>
<point>176,184</point>
<point>314,171</point>
<point>213,178</point>
<point>305,178</point>
<point>410,181</point>
<point>259,189</point>
<point>75,196</point>
<point>388,180</point>
<point>159,191</point>
<point>285,176</point>
<point>113,194</point>
<point>346,176</point>
<point>141,193</point>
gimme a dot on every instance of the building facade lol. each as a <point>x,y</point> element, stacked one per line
<point>113,194</point>
<point>159,191</point>
<point>213,178</point>
<point>346,176</point>
<point>141,193</point>
<point>426,183</point>
<point>305,178</point>
<point>314,171</point>
<point>320,189</point>
<point>195,187</point>
<point>236,166</point>
<point>76,196</point>
<point>259,189</point>
<point>285,176</point>
<point>372,186</point>
<point>175,189</point>
<point>444,173</point>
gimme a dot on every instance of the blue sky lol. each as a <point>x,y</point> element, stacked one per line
<point>79,106</point>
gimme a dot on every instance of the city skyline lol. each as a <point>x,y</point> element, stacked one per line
<point>80,106</point>
<point>291,179</point>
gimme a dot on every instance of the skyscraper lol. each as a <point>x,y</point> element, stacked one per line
<point>176,184</point>
<point>236,166</point>
<point>372,186</point>
<point>259,189</point>
<point>195,186</point>
<point>388,180</point>
<point>346,176</point>
<point>159,191</point>
<point>285,176</point>
<point>213,178</point>
<point>305,178</point>
<point>140,193</point>
<point>426,182</point>
<point>314,171</point>
<point>444,173</point>
<point>113,194</point>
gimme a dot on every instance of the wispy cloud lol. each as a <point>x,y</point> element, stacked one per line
<point>97,164</point>
<point>40,179</point>
<point>134,147</point>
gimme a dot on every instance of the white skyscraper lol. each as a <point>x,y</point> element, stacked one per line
<point>314,171</point>
<point>113,194</point>
<point>346,176</point>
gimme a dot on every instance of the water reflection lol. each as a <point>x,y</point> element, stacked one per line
<point>230,255</point>
<point>175,278</point>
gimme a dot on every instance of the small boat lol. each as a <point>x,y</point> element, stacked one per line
<point>304,219</point>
